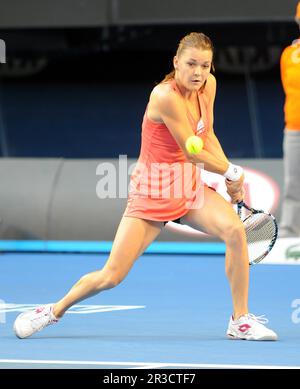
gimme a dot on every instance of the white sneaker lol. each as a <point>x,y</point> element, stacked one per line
<point>250,327</point>
<point>29,322</point>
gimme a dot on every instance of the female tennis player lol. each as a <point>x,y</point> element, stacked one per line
<point>179,107</point>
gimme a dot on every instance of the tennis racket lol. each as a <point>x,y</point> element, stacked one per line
<point>261,232</point>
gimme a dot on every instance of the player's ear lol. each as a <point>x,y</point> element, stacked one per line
<point>175,62</point>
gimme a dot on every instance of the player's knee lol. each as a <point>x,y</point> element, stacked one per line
<point>234,232</point>
<point>111,279</point>
<point>100,280</point>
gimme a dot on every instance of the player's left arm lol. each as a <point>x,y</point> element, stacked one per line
<point>212,144</point>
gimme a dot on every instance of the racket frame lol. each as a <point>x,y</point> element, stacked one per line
<point>252,211</point>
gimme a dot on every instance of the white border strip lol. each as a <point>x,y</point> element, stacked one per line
<point>145,365</point>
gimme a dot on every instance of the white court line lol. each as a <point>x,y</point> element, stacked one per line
<point>149,366</point>
<point>145,365</point>
<point>76,309</point>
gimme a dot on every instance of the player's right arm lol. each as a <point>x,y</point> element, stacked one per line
<point>171,110</point>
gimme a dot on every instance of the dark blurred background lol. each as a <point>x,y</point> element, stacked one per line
<point>78,73</point>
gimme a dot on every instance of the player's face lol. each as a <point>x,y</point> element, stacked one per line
<point>193,67</point>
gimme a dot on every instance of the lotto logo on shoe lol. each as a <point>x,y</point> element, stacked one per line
<point>244,327</point>
<point>39,310</point>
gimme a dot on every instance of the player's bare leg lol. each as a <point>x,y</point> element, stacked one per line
<point>217,217</point>
<point>132,238</point>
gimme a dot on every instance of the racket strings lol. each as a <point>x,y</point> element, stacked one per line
<point>261,231</point>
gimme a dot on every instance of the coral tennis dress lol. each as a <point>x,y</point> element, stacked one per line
<point>164,185</point>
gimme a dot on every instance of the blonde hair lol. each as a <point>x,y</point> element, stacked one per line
<point>196,40</point>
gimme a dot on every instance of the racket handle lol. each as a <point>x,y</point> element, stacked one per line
<point>239,208</point>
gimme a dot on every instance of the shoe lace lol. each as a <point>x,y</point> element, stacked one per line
<point>259,319</point>
<point>42,319</point>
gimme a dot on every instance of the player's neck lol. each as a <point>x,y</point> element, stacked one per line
<point>186,93</point>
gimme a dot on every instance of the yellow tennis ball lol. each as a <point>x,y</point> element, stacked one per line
<point>194,144</point>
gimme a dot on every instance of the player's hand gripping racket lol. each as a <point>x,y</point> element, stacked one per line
<point>261,232</point>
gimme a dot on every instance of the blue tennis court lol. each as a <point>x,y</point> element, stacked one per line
<point>171,311</point>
